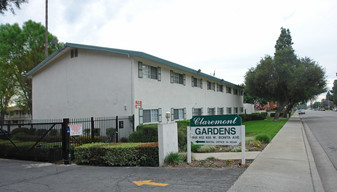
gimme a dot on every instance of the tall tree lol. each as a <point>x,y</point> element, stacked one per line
<point>284,78</point>
<point>334,92</point>
<point>22,49</point>
<point>6,5</point>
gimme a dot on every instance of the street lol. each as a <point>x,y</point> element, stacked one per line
<point>321,129</point>
<point>36,176</point>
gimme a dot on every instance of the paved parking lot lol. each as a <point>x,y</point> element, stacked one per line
<point>34,176</point>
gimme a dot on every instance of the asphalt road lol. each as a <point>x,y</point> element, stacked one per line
<point>34,176</point>
<point>321,129</point>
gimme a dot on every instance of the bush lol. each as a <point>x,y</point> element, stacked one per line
<point>182,133</point>
<point>263,138</point>
<point>173,159</point>
<point>20,130</point>
<point>127,154</point>
<point>145,133</point>
<point>253,116</point>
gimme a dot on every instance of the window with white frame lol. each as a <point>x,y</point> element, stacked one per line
<point>219,88</point>
<point>147,71</point>
<point>210,86</point>
<point>177,114</point>
<point>220,111</point>
<point>236,110</point>
<point>229,110</point>
<point>241,109</point>
<point>196,82</point>
<point>177,78</point>
<point>197,111</point>
<point>235,91</point>
<point>241,92</point>
<point>211,111</point>
<point>150,116</point>
<point>228,90</point>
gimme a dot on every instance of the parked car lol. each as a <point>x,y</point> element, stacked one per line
<point>301,111</point>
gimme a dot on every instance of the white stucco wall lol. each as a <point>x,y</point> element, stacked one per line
<point>93,84</point>
<point>101,84</point>
<point>156,94</point>
<point>249,108</point>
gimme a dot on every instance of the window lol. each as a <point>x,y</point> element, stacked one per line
<point>229,110</point>
<point>211,111</point>
<point>220,111</point>
<point>210,86</point>
<point>235,91</point>
<point>241,109</point>
<point>147,71</point>
<point>219,88</point>
<point>236,110</point>
<point>197,111</point>
<point>149,115</point>
<point>241,92</point>
<point>196,82</point>
<point>228,90</point>
<point>178,114</point>
<point>74,53</point>
<point>177,78</point>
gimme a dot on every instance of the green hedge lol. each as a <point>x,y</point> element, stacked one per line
<point>36,154</point>
<point>149,133</point>
<point>121,154</point>
<point>253,116</point>
<point>145,133</point>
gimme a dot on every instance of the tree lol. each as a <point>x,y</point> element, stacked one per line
<point>22,49</point>
<point>334,92</point>
<point>9,5</point>
<point>7,88</point>
<point>284,78</point>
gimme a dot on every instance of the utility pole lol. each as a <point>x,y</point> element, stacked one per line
<point>46,34</point>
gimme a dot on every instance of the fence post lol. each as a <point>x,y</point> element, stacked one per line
<point>66,142</point>
<point>92,130</point>
<point>117,129</point>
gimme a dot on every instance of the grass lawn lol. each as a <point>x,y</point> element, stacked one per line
<point>264,127</point>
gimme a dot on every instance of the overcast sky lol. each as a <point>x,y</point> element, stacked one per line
<point>225,36</point>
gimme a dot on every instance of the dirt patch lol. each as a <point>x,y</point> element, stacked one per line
<point>215,163</point>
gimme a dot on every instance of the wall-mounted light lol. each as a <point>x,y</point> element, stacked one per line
<point>168,116</point>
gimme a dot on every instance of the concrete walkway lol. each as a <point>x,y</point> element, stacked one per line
<point>286,164</point>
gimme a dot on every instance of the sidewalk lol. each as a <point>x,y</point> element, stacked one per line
<point>286,164</point>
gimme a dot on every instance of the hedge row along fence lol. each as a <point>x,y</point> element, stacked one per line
<point>118,154</point>
<point>149,132</point>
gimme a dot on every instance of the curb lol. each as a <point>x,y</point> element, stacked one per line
<point>316,179</point>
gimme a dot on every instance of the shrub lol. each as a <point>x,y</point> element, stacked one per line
<point>182,133</point>
<point>263,138</point>
<point>206,149</point>
<point>145,133</point>
<point>20,130</point>
<point>173,159</point>
<point>195,148</point>
<point>127,154</point>
<point>40,132</point>
<point>124,140</point>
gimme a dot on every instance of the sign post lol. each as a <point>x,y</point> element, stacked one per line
<point>216,130</point>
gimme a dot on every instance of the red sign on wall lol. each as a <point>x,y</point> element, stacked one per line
<point>138,104</point>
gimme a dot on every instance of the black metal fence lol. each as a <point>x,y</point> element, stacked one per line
<point>52,140</point>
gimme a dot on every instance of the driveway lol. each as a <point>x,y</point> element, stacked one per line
<point>35,176</point>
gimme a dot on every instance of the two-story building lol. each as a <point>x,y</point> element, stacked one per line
<point>83,81</point>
